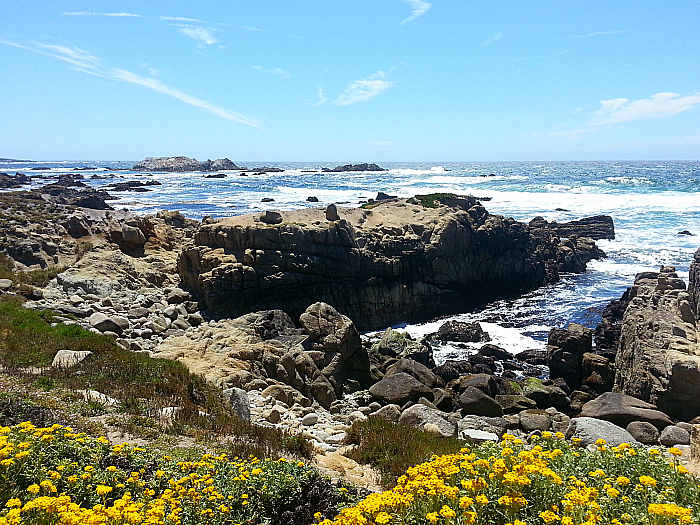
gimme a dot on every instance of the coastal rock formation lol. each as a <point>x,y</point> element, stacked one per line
<point>658,360</point>
<point>397,261</point>
<point>180,164</point>
<point>596,227</point>
<point>13,181</point>
<point>694,284</point>
<point>353,167</point>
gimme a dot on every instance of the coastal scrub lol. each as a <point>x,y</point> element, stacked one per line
<point>552,482</point>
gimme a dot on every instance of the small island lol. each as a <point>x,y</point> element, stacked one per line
<point>182,164</point>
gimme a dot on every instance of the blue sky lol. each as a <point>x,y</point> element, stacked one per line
<point>350,80</point>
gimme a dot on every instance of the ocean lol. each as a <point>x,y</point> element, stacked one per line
<point>650,203</point>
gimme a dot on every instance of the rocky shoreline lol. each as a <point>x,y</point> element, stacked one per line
<point>304,365</point>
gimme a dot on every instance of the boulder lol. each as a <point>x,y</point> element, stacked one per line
<point>484,382</point>
<point>475,402</point>
<point>514,404</point>
<point>589,430</point>
<point>545,393</point>
<point>673,435</point>
<point>286,394</point>
<point>535,419</point>
<point>622,409</point>
<point>105,323</point>
<point>389,412</point>
<point>694,284</point>
<point>239,402</point>
<point>400,344</point>
<point>643,432</point>
<point>452,369</point>
<point>69,358</point>
<point>494,425</point>
<point>332,213</point>
<point>478,436</point>
<point>496,352</point>
<point>271,217</point>
<point>420,415</point>
<point>565,349</point>
<point>658,360</point>
<point>400,388</point>
<point>421,372</point>
<point>598,373</point>
<point>462,332</point>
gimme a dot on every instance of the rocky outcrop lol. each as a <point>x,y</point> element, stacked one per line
<point>694,284</point>
<point>181,164</point>
<point>596,227</point>
<point>394,262</point>
<point>658,359</point>
<point>13,181</point>
<point>353,167</point>
<point>321,361</point>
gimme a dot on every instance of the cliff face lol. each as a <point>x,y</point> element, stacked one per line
<point>658,359</point>
<point>394,262</point>
<point>694,284</point>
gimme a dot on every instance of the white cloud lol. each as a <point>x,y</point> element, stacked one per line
<point>72,55</point>
<point>660,105</point>
<point>321,97</point>
<point>87,13</point>
<point>363,90</point>
<point>203,35</point>
<point>87,63</point>
<point>620,110</point>
<point>600,33</point>
<point>181,19</point>
<point>418,8</point>
<point>495,38</point>
<point>248,28</point>
<point>276,71</point>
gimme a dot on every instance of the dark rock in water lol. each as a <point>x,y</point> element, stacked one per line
<point>215,176</point>
<point>560,209</point>
<point>75,193</point>
<point>462,332</point>
<point>354,167</point>
<point>181,164</point>
<point>267,199</point>
<point>496,352</point>
<point>684,232</point>
<point>400,388</point>
<point>597,227</point>
<point>10,181</point>
<point>265,169</point>
<point>565,349</point>
<point>311,198</point>
<point>407,266</point>
<point>533,357</point>
<point>658,360</point>
<point>132,185</point>
<point>622,409</point>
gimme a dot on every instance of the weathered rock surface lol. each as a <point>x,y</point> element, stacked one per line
<point>395,262</point>
<point>565,349</point>
<point>694,284</point>
<point>353,167</point>
<point>658,359</point>
<point>622,410</point>
<point>399,388</point>
<point>180,164</point>
<point>589,430</point>
<point>420,415</point>
<point>462,332</point>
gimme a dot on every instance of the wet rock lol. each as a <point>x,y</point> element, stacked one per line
<point>462,332</point>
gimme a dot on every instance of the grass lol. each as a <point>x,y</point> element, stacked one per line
<point>431,200</point>
<point>391,448</point>
<point>142,385</point>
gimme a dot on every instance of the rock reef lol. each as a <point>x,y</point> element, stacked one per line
<point>396,261</point>
<point>180,164</point>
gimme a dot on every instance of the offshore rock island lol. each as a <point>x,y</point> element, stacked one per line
<point>397,260</point>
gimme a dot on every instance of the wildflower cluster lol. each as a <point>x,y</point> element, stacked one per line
<point>56,476</point>
<point>549,482</point>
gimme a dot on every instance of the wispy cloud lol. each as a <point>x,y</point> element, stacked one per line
<point>418,8</point>
<point>181,19</point>
<point>620,110</point>
<point>276,71</point>
<point>203,35</point>
<point>495,38</point>
<point>363,90</point>
<point>660,105</point>
<point>89,13</point>
<point>87,63</point>
<point>600,33</point>
<point>538,57</point>
<point>321,96</point>
<point>248,28</point>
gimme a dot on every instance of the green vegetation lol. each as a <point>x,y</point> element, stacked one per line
<point>391,447</point>
<point>143,386</point>
<point>432,200</point>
